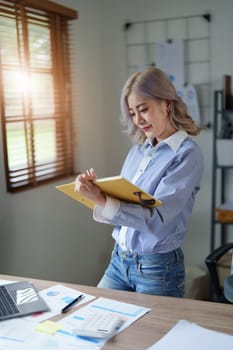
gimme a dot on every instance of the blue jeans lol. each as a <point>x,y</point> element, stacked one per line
<point>155,273</point>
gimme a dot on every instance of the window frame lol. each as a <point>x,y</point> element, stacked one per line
<point>58,17</point>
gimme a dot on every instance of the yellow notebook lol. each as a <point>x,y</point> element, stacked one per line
<point>116,187</point>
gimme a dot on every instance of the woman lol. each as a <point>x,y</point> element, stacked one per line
<point>165,162</point>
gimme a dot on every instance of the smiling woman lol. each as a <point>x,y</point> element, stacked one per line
<point>35,92</point>
<point>163,161</point>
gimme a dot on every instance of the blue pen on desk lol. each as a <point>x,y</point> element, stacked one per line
<point>73,302</point>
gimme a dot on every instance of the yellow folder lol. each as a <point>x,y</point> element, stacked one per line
<point>116,187</point>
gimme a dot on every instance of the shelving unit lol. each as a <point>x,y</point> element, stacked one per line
<point>221,170</point>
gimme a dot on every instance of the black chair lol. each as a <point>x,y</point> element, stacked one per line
<point>217,292</point>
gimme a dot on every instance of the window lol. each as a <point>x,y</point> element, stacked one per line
<point>35,96</point>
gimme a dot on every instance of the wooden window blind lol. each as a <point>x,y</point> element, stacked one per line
<point>35,96</point>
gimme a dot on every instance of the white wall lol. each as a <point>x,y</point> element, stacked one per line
<point>197,243</point>
<point>46,235</point>
<point>43,233</point>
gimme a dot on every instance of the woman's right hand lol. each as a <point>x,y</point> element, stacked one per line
<point>84,184</point>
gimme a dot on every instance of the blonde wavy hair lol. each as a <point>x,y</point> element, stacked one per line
<point>153,84</point>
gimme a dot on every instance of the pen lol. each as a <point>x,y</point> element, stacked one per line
<point>68,306</point>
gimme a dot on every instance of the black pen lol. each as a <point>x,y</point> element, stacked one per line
<point>68,306</point>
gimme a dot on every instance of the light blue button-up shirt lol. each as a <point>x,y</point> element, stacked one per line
<point>171,171</point>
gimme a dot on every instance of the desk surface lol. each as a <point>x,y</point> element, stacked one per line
<point>164,314</point>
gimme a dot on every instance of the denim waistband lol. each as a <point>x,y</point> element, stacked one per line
<point>172,256</point>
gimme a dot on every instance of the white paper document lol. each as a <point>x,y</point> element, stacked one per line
<point>59,296</point>
<point>169,57</point>
<point>185,335</point>
<point>20,334</point>
<point>128,312</point>
<point>188,95</point>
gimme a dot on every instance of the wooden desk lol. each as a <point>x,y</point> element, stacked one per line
<point>165,312</point>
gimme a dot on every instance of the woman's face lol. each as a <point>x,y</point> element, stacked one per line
<point>151,117</point>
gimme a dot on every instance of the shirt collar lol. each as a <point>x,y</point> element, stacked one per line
<point>174,141</point>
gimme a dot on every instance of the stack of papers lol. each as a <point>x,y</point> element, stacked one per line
<point>185,335</point>
<point>37,332</point>
<point>31,332</point>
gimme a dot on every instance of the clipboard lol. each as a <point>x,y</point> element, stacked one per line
<point>115,186</point>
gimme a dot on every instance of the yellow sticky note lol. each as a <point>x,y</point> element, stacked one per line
<point>48,327</point>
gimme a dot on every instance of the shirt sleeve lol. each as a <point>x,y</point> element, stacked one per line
<point>106,213</point>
